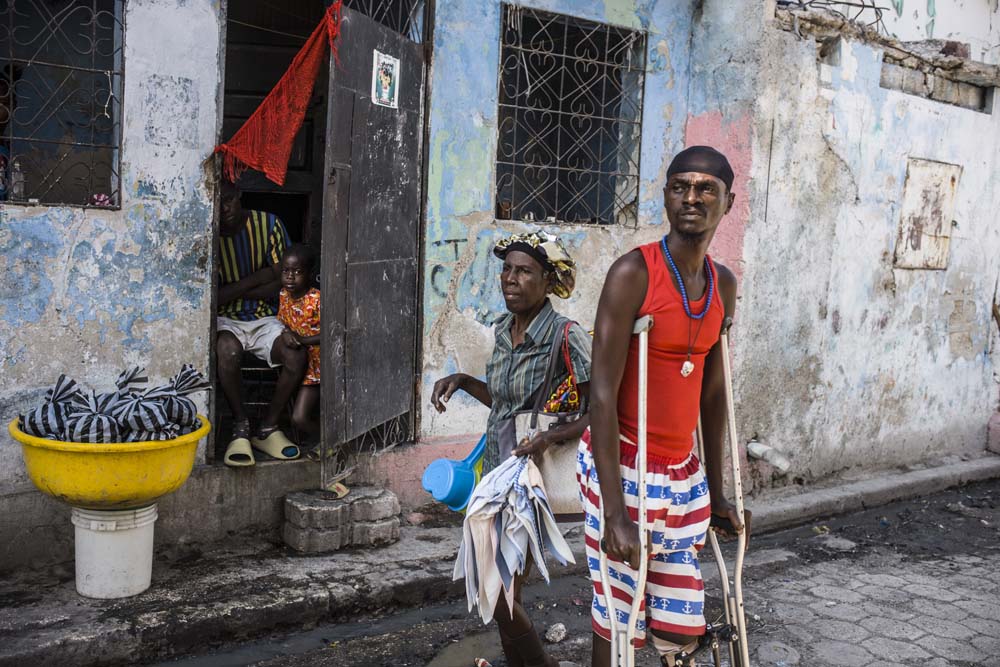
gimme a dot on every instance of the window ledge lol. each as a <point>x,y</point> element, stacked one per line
<point>39,204</point>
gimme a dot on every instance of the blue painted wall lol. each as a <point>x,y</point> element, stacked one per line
<point>461,293</point>
<point>85,291</point>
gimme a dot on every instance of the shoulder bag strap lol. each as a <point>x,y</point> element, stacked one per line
<point>567,357</point>
<point>545,390</point>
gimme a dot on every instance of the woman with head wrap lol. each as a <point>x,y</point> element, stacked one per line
<point>534,266</point>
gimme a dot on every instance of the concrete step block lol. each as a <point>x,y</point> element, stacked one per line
<point>322,510</point>
<point>313,541</point>
<point>375,507</point>
<point>317,522</point>
<point>375,533</point>
<point>356,534</point>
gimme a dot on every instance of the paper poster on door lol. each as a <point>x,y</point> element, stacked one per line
<point>385,80</point>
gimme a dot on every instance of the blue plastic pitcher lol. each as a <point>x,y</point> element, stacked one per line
<point>451,482</point>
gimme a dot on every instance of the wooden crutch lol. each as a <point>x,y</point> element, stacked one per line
<point>623,639</point>
<point>736,625</point>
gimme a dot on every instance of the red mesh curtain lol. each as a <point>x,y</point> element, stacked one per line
<point>265,141</point>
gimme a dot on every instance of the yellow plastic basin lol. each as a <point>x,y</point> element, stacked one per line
<point>109,476</point>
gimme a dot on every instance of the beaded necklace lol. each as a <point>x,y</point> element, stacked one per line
<point>688,366</point>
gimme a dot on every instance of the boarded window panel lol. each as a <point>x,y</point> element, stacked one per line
<point>926,214</point>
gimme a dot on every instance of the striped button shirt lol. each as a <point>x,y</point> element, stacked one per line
<point>514,374</point>
<point>260,243</point>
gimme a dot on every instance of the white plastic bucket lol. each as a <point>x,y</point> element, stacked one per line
<point>114,551</point>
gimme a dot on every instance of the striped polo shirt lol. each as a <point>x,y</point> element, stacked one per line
<point>514,375</point>
<point>260,243</point>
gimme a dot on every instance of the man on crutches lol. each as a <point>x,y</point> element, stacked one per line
<point>688,297</point>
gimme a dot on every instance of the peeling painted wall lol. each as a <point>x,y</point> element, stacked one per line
<point>86,292</point>
<point>844,361</point>
<point>973,22</point>
<point>461,289</point>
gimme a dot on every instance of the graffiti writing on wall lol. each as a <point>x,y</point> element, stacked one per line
<point>447,252</point>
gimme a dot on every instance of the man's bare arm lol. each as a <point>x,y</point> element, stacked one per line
<point>262,284</point>
<point>622,296</point>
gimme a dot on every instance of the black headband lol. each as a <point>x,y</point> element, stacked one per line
<point>536,253</point>
<point>703,160</point>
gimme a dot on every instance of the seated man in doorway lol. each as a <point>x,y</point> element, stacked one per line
<point>251,244</point>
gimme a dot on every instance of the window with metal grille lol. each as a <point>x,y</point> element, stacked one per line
<point>61,68</point>
<point>570,110</point>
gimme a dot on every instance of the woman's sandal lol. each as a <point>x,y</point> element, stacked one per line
<point>275,444</point>
<point>338,489</point>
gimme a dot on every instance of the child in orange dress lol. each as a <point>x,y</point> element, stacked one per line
<point>298,310</point>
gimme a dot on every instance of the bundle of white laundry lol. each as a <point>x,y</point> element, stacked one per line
<point>508,518</point>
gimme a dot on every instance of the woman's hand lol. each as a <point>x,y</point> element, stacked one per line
<point>621,539</point>
<point>534,446</point>
<point>444,388</point>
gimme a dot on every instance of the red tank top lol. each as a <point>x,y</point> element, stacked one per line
<point>674,401</point>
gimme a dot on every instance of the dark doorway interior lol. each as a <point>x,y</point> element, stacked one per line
<point>262,38</point>
<point>348,149</point>
<point>291,207</point>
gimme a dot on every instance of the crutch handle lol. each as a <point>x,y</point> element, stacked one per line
<point>722,523</point>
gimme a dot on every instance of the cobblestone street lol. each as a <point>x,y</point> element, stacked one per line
<point>909,584</point>
<point>879,610</point>
<point>912,584</point>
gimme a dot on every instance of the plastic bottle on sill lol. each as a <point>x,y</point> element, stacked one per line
<point>759,450</point>
<point>16,182</point>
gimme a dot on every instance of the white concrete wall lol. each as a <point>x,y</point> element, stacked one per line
<point>843,360</point>
<point>86,292</point>
<point>974,22</point>
<point>461,280</point>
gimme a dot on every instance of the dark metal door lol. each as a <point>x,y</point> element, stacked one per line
<point>371,222</point>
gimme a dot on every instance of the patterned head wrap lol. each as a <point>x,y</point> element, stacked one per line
<point>549,252</point>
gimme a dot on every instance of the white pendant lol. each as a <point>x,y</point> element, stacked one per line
<point>687,368</point>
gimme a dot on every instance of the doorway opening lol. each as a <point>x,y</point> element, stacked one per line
<point>354,193</point>
<point>262,39</point>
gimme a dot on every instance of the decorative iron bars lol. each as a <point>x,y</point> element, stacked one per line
<point>570,110</point>
<point>340,460</point>
<point>404,16</point>
<point>61,68</point>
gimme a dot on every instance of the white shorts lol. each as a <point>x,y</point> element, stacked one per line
<point>256,336</point>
